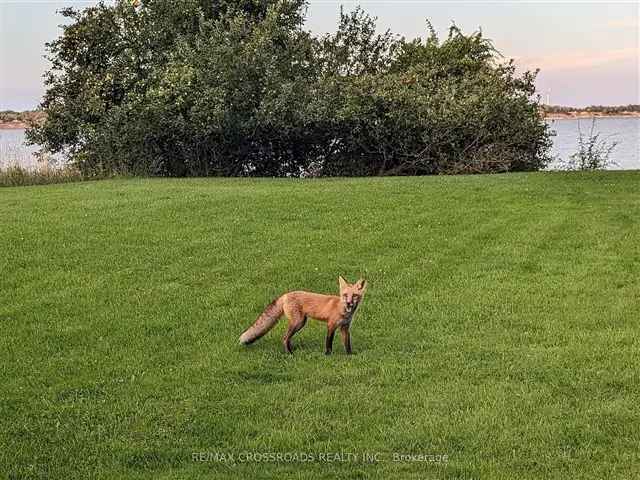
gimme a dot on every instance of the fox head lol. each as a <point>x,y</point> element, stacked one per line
<point>351,293</point>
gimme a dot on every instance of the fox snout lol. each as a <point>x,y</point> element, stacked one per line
<point>351,305</point>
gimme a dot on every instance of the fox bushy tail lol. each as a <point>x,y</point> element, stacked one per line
<point>264,322</point>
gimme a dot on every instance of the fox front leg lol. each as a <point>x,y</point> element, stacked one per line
<point>331,330</point>
<point>346,338</point>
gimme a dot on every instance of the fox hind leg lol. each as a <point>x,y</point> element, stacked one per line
<point>296,322</point>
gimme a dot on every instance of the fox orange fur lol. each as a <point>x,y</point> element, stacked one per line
<point>337,311</point>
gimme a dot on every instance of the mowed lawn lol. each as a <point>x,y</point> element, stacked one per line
<point>500,328</point>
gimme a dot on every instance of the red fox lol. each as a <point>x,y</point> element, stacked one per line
<point>297,306</point>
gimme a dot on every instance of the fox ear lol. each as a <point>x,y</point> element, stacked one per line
<point>361,284</point>
<point>342,282</point>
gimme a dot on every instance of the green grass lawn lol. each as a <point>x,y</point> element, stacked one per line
<point>500,328</point>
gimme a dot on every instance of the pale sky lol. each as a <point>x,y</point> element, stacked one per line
<point>587,51</point>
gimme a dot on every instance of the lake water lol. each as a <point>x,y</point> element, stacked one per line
<point>624,131</point>
<point>13,151</point>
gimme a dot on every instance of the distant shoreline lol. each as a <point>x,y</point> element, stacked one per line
<point>573,115</point>
<point>15,125</point>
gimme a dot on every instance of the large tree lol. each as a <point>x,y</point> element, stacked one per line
<point>240,88</point>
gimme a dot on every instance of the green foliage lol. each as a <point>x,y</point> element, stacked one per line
<point>240,89</point>
<point>436,108</point>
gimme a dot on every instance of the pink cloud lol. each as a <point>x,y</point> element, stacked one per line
<point>579,59</point>
<point>630,22</point>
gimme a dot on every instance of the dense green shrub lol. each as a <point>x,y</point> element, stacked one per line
<point>240,89</point>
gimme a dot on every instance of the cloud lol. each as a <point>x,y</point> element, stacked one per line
<point>629,22</point>
<point>579,59</point>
